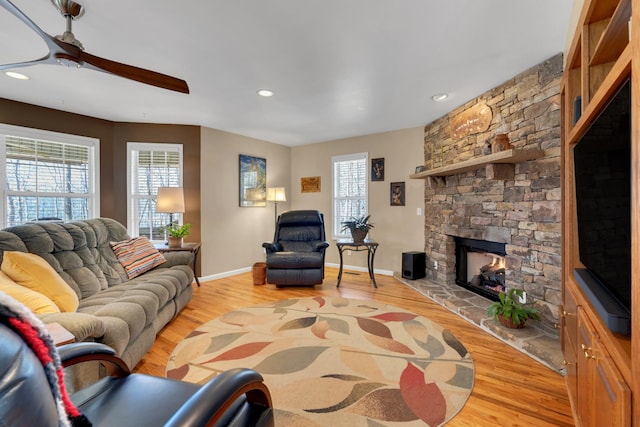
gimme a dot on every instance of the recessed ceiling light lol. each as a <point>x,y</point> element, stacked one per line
<point>16,75</point>
<point>265,92</point>
<point>440,97</point>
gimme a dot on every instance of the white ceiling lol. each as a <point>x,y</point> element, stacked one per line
<point>339,68</point>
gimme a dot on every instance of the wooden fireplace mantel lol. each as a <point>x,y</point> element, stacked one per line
<point>497,171</point>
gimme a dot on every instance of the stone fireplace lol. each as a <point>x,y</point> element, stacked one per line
<point>519,210</point>
<point>480,266</point>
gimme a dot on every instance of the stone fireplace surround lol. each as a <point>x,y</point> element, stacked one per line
<point>523,212</point>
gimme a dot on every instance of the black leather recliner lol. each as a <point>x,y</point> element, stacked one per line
<point>237,397</point>
<point>296,256</point>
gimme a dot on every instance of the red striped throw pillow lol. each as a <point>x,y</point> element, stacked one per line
<point>137,255</point>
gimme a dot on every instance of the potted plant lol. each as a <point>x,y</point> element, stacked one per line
<point>176,233</point>
<point>359,227</point>
<point>510,312</point>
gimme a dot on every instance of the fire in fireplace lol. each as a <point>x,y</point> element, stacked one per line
<point>480,266</point>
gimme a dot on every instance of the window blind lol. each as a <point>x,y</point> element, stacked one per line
<point>350,189</point>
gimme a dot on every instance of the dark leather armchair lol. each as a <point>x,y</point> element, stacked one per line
<point>296,256</point>
<point>237,397</point>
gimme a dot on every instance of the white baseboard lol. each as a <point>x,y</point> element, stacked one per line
<point>225,274</point>
<point>248,269</point>
<point>362,269</point>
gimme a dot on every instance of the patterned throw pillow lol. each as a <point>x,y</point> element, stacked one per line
<point>137,255</point>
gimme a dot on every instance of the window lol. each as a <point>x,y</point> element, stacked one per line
<point>349,189</point>
<point>151,166</point>
<point>47,176</point>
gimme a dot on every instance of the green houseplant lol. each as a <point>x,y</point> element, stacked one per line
<point>510,312</point>
<point>358,226</point>
<point>176,233</point>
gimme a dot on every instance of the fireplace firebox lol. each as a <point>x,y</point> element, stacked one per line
<point>480,266</point>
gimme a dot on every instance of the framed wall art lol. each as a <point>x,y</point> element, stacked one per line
<point>253,181</point>
<point>310,184</point>
<point>397,194</point>
<point>377,169</point>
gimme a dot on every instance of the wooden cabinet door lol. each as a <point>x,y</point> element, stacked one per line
<point>584,371</point>
<point>604,398</point>
<point>612,397</point>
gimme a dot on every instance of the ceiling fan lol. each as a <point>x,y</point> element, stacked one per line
<point>67,50</point>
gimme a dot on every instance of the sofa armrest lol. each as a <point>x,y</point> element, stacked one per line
<point>319,246</point>
<point>272,247</point>
<point>84,327</point>
<point>217,396</point>
<point>176,258</point>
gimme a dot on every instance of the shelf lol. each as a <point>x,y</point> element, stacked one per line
<point>514,155</point>
<point>615,37</point>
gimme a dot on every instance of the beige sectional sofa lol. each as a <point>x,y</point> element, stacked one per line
<point>124,313</point>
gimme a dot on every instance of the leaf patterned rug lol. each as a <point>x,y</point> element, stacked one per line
<point>336,361</point>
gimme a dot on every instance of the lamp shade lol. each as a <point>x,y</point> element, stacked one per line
<point>276,194</point>
<point>170,200</point>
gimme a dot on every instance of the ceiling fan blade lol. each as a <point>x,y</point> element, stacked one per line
<point>44,60</point>
<point>141,75</point>
<point>24,18</point>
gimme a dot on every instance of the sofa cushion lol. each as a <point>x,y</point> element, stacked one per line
<point>137,255</point>
<point>34,301</point>
<point>35,273</point>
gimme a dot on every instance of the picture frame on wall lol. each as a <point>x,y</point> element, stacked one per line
<point>253,181</point>
<point>377,169</point>
<point>397,194</point>
<point>310,184</point>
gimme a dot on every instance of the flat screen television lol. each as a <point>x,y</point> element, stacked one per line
<point>602,162</point>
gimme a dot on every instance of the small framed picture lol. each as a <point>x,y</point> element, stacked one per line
<point>420,168</point>
<point>310,184</point>
<point>397,194</point>
<point>377,169</point>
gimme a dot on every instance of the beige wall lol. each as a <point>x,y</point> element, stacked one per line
<point>232,236</point>
<point>397,228</point>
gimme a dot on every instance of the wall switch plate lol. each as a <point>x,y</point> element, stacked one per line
<point>349,253</point>
<point>419,211</point>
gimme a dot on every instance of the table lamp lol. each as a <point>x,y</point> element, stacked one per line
<point>170,200</point>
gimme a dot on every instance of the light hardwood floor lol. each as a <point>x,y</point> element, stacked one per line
<point>511,389</point>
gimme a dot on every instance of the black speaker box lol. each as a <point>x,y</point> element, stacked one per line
<point>413,265</point>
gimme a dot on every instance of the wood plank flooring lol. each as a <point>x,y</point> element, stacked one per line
<point>511,389</point>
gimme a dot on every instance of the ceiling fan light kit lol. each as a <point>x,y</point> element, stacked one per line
<point>67,50</point>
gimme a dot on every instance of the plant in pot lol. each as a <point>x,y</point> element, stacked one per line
<point>176,233</point>
<point>510,312</point>
<point>359,227</point>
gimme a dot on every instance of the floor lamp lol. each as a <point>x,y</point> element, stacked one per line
<point>276,195</point>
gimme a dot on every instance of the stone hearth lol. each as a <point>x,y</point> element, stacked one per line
<point>535,340</point>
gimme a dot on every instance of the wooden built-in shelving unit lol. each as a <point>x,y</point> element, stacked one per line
<point>603,368</point>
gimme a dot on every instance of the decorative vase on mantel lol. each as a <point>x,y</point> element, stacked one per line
<point>175,242</point>
<point>500,143</point>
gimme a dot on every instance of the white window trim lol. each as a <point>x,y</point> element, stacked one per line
<point>23,132</point>
<point>132,224</point>
<point>344,158</point>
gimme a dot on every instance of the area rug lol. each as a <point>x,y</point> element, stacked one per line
<point>336,361</point>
